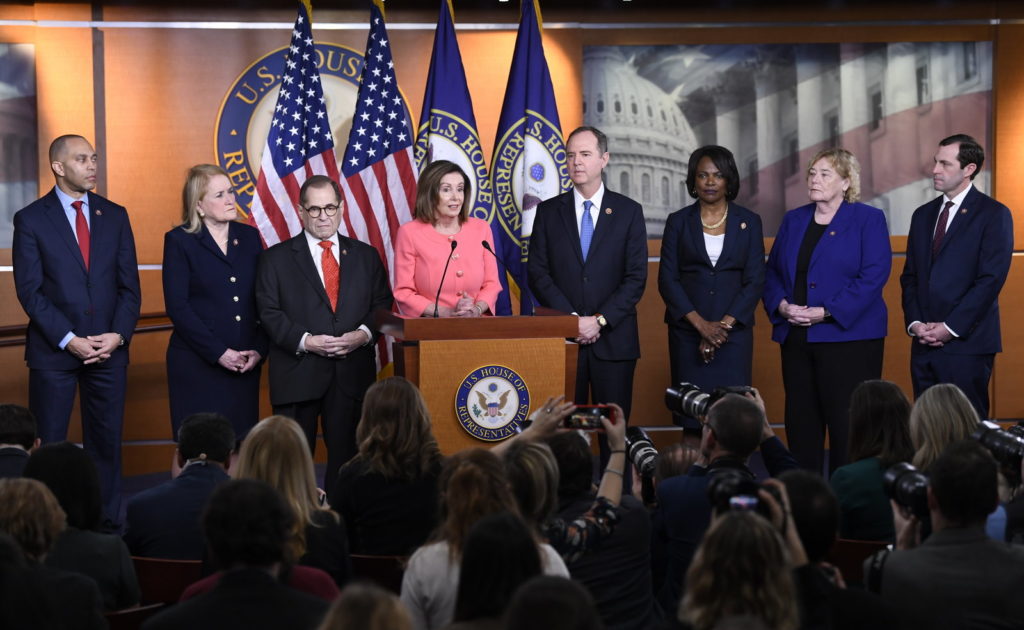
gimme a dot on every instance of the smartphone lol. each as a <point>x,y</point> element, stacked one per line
<point>588,417</point>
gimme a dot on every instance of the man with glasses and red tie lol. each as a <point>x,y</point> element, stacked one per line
<point>316,295</point>
<point>958,255</point>
<point>77,278</point>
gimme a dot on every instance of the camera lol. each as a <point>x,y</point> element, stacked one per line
<point>641,451</point>
<point>1007,447</point>
<point>734,490</point>
<point>686,399</point>
<point>908,487</point>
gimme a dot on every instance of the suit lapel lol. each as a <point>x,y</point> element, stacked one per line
<point>607,218</point>
<point>206,241</point>
<point>567,211</point>
<point>303,259</point>
<point>55,212</point>
<point>697,233</point>
<point>732,227</point>
<point>964,214</point>
<point>841,221</point>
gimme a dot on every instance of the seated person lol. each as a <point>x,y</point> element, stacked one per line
<point>548,601</point>
<point>366,606</point>
<point>958,577</point>
<point>735,427</point>
<point>247,527</point>
<point>163,522</point>
<point>17,439</point>
<point>618,571</point>
<point>71,475</point>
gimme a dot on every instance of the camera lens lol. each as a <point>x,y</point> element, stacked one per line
<point>908,487</point>
<point>687,400</point>
<point>641,451</point>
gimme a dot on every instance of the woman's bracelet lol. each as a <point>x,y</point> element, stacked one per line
<point>479,310</point>
<point>613,471</point>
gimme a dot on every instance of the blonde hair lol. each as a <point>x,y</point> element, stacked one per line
<point>366,606</point>
<point>845,165</point>
<point>941,415</point>
<point>31,516</point>
<point>276,452</point>
<point>394,433</point>
<point>197,184</point>
<point>740,568</point>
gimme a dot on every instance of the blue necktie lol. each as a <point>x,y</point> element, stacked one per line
<point>586,228</point>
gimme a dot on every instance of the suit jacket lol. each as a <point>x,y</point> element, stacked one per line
<point>961,285</point>
<point>848,270</point>
<point>610,282</point>
<point>687,280</point>
<point>164,521</point>
<point>56,291</point>
<point>102,557</point>
<point>292,301</point>
<point>12,461</point>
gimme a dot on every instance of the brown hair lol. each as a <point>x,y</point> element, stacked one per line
<point>533,475</point>
<point>845,165</point>
<point>276,452</point>
<point>30,515</point>
<point>880,423</point>
<point>942,414</point>
<point>428,191</point>
<point>197,184</point>
<point>394,433</point>
<point>473,485</point>
<point>366,606</point>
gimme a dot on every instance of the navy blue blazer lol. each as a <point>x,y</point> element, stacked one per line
<point>687,280</point>
<point>205,289</point>
<point>612,280</point>
<point>961,285</point>
<point>56,291</point>
<point>848,270</point>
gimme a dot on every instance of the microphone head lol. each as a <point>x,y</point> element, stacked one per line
<point>454,244</point>
<point>487,246</point>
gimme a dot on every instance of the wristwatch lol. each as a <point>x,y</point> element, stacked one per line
<point>601,321</point>
<point>120,338</point>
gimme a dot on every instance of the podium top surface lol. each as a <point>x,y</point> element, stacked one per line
<point>546,323</point>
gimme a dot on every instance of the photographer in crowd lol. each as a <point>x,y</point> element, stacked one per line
<point>735,427</point>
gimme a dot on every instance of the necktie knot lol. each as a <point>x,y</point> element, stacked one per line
<point>327,245</point>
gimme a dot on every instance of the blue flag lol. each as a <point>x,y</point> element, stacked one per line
<point>529,157</point>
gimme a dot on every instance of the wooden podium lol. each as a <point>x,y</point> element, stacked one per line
<point>441,356</point>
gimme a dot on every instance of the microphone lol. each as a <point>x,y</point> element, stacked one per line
<point>443,274</point>
<point>504,269</point>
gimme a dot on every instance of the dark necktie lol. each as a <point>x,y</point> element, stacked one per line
<point>940,229</point>
<point>331,272</point>
<point>81,232</point>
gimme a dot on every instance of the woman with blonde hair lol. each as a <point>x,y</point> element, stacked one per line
<point>366,606</point>
<point>941,415</point>
<point>387,493</point>
<point>276,453</point>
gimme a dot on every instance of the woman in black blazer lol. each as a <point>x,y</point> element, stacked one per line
<point>711,276</point>
<point>209,273</point>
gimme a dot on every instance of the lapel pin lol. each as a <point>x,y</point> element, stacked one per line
<point>235,242</point>
<point>963,210</point>
<point>99,213</point>
<point>743,225</point>
<point>607,210</point>
<point>344,252</point>
<point>832,233</point>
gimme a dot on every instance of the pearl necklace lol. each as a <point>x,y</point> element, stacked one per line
<point>715,226</point>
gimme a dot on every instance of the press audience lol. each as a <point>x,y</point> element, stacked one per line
<point>552,602</point>
<point>17,439</point>
<point>942,414</point>
<point>365,606</point>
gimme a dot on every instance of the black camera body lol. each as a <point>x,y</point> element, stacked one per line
<point>730,489</point>
<point>1007,447</point>
<point>908,487</point>
<point>686,399</point>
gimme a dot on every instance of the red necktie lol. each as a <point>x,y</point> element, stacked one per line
<point>82,232</point>
<point>331,272</point>
<point>940,229</point>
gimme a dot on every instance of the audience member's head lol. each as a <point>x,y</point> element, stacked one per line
<point>942,414</point>
<point>575,465</point>
<point>70,474</point>
<point>880,423</point>
<point>552,602</point>
<point>472,485</point>
<point>500,553</point>
<point>366,606</point>
<point>276,452</point>
<point>394,433</point>
<point>533,474</point>
<point>247,523</point>
<point>814,509</point>
<point>735,423</point>
<point>205,437</point>
<point>675,460</point>
<point>963,485</point>
<point>17,426</point>
<point>740,568</point>
<point>31,516</point>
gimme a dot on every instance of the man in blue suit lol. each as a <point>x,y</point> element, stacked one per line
<point>588,257</point>
<point>77,278</point>
<point>958,255</point>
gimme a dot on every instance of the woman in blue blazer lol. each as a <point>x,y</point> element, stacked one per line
<point>209,271</point>
<point>823,293</point>
<point>711,276</point>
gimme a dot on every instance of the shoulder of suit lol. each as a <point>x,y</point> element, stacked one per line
<point>355,245</point>
<point>620,202</point>
<point>99,201</point>
<point>556,201</point>
<point>286,245</point>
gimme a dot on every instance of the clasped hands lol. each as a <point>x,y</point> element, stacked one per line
<point>94,348</point>
<point>465,307</point>
<point>240,361</point>
<point>801,315</point>
<point>712,335</point>
<point>334,347</point>
<point>589,330</point>
<point>934,334</point>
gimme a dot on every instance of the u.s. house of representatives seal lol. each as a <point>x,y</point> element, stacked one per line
<point>491,402</point>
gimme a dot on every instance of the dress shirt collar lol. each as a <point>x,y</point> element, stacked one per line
<point>314,244</point>
<point>65,202</point>
<point>958,200</point>
<point>595,212</point>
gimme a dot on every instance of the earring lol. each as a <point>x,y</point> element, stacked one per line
<point>201,214</point>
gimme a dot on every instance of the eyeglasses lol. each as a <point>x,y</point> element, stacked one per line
<point>314,211</point>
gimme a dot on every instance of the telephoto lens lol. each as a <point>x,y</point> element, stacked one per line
<point>641,451</point>
<point>908,487</point>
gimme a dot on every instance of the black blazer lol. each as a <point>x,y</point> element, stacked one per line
<point>612,280</point>
<point>292,301</point>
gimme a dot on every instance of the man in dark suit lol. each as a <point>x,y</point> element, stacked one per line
<point>163,522</point>
<point>588,256</point>
<point>17,439</point>
<point>77,278</point>
<point>958,256</point>
<point>316,294</point>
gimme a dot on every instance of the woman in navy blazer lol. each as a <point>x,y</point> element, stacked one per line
<point>711,276</point>
<point>823,293</point>
<point>209,273</point>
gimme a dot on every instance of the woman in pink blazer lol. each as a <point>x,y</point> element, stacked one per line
<point>441,230</point>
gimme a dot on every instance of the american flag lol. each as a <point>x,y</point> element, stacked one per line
<point>300,143</point>
<point>379,175</point>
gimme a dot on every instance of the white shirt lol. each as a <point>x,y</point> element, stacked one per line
<point>714,243</point>
<point>595,210</point>
<point>317,253</point>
